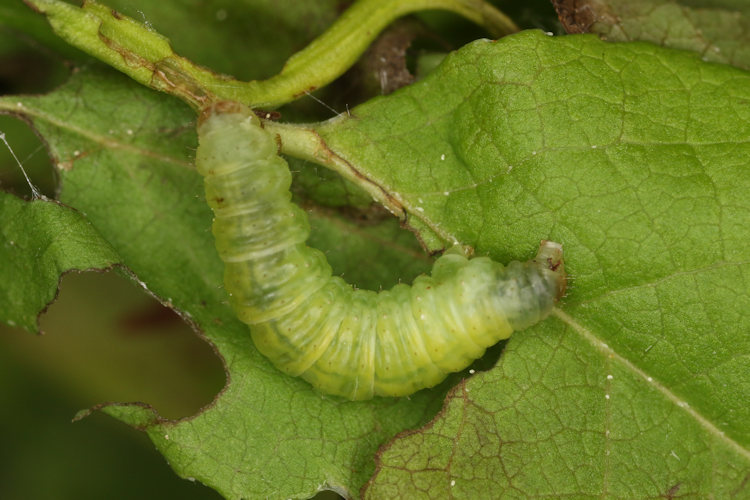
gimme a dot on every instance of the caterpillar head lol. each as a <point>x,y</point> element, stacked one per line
<point>550,255</point>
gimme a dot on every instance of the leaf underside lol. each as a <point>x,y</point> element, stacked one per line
<point>719,30</point>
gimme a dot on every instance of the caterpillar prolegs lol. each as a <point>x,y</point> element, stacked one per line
<point>347,342</point>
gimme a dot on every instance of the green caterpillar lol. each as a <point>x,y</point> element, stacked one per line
<point>352,343</point>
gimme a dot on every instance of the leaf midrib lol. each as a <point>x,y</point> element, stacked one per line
<point>610,353</point>
<point>108,142</point>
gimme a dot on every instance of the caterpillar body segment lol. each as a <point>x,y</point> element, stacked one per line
<point>352,343</point>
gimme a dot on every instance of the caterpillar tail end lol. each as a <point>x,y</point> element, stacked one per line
<point>550,254</point>
<point>222,107</point>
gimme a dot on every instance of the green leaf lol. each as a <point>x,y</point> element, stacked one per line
<point>636,158</point>
<point>129,169</point>
<point>39,241</point>
<point>719,30</point>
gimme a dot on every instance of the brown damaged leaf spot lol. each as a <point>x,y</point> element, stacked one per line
<point>33,7</point>
<point>277,140</point>
<point>67,165</point>
<point>386,58</point>
<point>391,203</point>
<point>741,487</point>
<point>672,492</point>
<point>418,235</point>
<point>267,115</point>
<point>219,107</point>
<point>577,16</point>
<point>130,59</point>
<point>167,76</point>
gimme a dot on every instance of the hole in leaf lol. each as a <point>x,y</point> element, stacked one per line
<point>107,340</point>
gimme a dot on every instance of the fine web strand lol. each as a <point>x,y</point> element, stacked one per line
<point>35,194</point>
<point>319,101</point>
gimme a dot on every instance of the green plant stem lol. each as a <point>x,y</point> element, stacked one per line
<point>147,57</point>
<point>303,142</point>
<point>336,50</point>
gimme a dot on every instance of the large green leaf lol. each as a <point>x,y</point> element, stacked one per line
<point>637,159</point>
